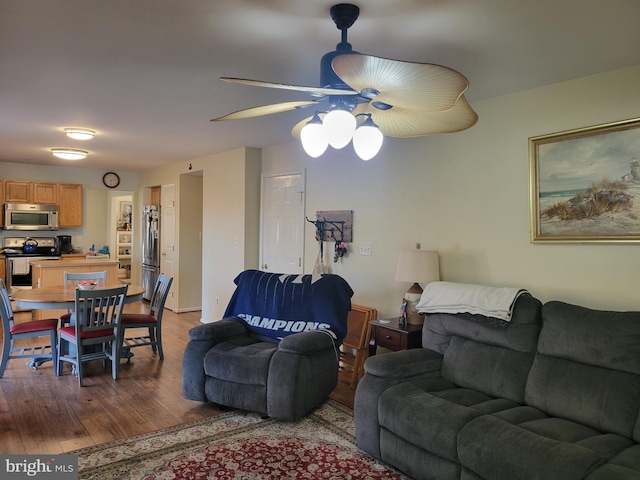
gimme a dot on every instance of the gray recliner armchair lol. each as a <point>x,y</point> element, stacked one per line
<point>276,350</point>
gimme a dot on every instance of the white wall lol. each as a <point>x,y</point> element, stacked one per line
<point>467,196</point>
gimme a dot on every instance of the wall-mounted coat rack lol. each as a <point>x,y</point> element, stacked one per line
<point>333,226</point>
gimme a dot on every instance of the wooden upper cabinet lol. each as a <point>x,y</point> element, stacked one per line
<point>155,195</point>
<point>17,191</point>
<point>46,193</point>
<point>2,191</point>
<point>70,202</point>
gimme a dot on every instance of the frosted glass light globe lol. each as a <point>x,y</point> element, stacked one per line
<point>313,137</point>
<point>367,140</point>
<point>339,125</point>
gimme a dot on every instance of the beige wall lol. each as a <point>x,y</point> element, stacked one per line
<point>230,206</point>
<point>467,196</point>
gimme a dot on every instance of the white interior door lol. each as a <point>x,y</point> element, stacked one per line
<point>168,239</point>
<point>282,223</point>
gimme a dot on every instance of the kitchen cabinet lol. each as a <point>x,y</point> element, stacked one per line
<point>18,191</point>
<point>2,190</point>
<point>155,195</point>
<point>2,269</point>
<point>46,273</point>
<point>70,203</point>
<point>45,193</point>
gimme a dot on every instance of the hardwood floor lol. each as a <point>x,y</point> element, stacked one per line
<point>41,413</point>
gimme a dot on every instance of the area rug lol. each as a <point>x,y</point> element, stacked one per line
<point>240,445</point>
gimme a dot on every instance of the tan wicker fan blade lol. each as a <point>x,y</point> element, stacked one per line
<point>419,86</point>
<point>264,110</point>
<point>282,86</point>
<point>403,122</point>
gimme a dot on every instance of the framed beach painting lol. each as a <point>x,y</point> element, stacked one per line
<point>585,184</point>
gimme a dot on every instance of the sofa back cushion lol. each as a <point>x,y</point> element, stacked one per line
<point>587,368</point>
<point>484,355</point>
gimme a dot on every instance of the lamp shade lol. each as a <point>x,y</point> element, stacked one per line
<point>417,266</point>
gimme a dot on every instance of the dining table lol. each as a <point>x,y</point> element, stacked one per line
<point>63,297</point>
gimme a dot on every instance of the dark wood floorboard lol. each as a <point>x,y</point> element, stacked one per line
<point>44,414</point>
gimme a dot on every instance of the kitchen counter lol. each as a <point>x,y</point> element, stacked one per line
<point>72,263</point>
<point>50,273</point>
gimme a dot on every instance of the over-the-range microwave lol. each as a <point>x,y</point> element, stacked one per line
<point>26,216</point>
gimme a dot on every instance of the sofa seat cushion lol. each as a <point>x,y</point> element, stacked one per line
<point>624,466</point>
<point>247,364</point>
<point>540,447</point>
<point>432,420</point>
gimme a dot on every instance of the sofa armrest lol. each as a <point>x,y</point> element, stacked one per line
<point>218,331</point>
<point>404,364</point>
<point>201,339</point>
<point>415,366</point>
<point>307,342</point>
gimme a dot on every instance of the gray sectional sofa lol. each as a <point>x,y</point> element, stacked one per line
<point>553,395</point>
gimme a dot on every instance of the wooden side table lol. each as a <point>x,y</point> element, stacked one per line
<point>388,333</point>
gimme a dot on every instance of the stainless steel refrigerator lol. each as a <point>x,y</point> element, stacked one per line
<point>150,249</point>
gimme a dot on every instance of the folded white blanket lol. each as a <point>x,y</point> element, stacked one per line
<point>449,297</point>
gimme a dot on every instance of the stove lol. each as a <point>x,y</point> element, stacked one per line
<point>18,270</point>
<point>46,247</point>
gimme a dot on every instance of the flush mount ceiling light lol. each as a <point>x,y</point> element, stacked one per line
<point>400,99</point>
<point>69,153</point>
<point>79,133</point>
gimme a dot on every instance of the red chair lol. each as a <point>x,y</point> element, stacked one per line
<point>12,331</point>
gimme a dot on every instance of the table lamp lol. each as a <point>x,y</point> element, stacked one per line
<point>416,266</point>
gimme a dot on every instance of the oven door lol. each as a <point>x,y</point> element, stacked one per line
<point>18,272</point>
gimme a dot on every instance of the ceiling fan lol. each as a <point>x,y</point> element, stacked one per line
<point>389,97</point>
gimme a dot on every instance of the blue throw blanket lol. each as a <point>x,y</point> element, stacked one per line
<point>276,305</point>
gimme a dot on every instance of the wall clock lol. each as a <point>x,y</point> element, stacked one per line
<point>111,179</point>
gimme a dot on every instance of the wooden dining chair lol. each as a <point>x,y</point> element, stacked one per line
<point>97,317</point>
<point>355,346</point>
<point>12,331</point>
<point>151,321</point>
<point>73,279</point>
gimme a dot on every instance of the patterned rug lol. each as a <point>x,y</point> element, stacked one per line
<point>240,446</point>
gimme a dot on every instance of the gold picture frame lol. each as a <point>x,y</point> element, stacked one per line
<point>585,184</point>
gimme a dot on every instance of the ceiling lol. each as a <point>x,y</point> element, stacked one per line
<point>145,73</point>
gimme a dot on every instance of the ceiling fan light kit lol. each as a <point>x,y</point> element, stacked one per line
<point>399,99</point>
